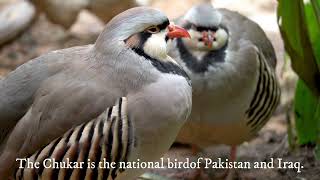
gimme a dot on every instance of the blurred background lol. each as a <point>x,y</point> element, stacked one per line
<point>31,28</point>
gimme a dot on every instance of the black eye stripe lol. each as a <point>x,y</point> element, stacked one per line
<point>189,25</point>
<point>163,25</point>
<point>143,38</point>
<point>202,28</point>
<point>144,35</point>
<point>153,29</point>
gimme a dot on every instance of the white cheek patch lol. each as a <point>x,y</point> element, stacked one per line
<point>195,34</point>
<point>156,46</point>
<point>221,39</point>
<point>194,42</point>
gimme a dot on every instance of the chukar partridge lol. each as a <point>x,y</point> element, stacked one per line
<point>63,89</point>
<point>231,64</point>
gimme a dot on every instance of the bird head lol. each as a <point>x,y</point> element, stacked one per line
<point>153,39</point>
<point>143,29</point>
<point>204,25</point>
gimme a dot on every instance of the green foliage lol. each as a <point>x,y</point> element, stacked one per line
<point>312,11</point>
<point>299,23</point>
<point>307,113</point>
<point>299,28</point>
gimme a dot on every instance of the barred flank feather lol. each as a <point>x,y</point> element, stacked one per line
<point>266,96</point>
<point>106,137</point>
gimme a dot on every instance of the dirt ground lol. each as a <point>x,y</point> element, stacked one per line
<point>271,142</point>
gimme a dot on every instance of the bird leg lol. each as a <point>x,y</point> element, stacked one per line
<point>229,173</point>
<point>195,149</point>
<point>233,153</point>
<point>198,173</point>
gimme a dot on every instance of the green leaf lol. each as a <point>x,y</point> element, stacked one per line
<point>307,112</point>
<point>290,29</point>
<point>300,31</point>
<point>299,23</point>
<point>312,11</point>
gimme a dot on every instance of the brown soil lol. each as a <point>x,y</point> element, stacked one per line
<point>271,143</point>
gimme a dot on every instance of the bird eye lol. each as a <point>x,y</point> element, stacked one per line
<point>153,29</point>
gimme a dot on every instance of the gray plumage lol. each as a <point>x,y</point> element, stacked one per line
<point>235,89</point>
<point>205,16</point>
<point>106,139</point>
<point>53,93</point>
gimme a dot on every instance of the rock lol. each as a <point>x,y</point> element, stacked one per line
<point>14,18</point>
<point>65,13</point>
<point>61,12</point>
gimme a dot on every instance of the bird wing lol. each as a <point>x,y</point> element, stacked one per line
<point>266,95</point>
<point>61,102</point>
<point>56,111</point>
<point>17,89</point>
<point>105,138</point>
<point>240,27</point>
<point>250,36</point>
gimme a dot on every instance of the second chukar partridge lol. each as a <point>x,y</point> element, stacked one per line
<point>231,64</point>
<point>64,89</point>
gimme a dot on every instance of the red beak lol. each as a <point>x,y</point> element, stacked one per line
<point>208,38</point>
<point>177,32</point>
